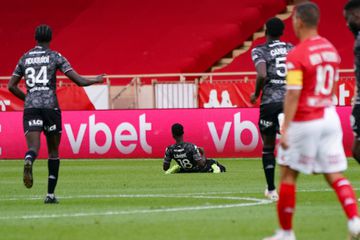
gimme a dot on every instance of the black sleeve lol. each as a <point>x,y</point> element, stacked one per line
<point>62,63</point>
<point>257,56</point>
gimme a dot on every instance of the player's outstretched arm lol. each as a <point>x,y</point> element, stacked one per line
<point>83,82</point>
<point>14,89</point>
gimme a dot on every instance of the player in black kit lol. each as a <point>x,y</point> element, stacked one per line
<point>189,158</point>
<point>41,109</point>
<point>270,62</point>
<point>352,16</point>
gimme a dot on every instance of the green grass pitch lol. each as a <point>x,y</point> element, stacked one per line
<point>133,199</point>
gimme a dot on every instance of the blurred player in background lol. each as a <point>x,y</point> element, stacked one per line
<point>270,63</point>
<point>312,134</point>
<point>41,109</point>
<point>189,157</point>
<point>352,15</point>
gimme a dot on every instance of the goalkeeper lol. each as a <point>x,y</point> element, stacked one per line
<point>189,157</point>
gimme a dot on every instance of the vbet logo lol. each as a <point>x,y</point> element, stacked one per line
<point>127,136</point>
<point>124,132</point>
<point>241,128</point>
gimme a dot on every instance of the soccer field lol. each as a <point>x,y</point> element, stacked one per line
<point>133,199</point>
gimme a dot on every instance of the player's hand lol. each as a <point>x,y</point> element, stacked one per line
<point>99,78</point>
<point>253,98</point>
<point>284,140</point>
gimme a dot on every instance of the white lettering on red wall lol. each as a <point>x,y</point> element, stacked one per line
<point>239,129</point>
<point>145,134</point>
<point>124,137</point>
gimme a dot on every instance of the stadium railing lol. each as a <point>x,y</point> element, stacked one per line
<point>176,90</point>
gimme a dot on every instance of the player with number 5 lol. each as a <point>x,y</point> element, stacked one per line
<point>270,63</point>
<point>41,109</point>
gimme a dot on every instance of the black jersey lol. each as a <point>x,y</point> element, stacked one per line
<point>274,54</point>
<point>357,67</point>
<point>187,155</point>
<point>38,66</point>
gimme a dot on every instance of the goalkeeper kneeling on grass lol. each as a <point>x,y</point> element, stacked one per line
<point>189,158</point>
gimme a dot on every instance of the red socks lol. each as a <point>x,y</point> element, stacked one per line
<point>286,205</point>
<point>346,196</point>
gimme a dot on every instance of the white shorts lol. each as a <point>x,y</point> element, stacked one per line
<point>315,146</point>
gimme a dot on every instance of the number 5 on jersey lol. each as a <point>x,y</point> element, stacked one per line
<point>32,78</point>
<point>280,65</point>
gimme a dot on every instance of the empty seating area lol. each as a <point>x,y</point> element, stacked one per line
<point>332,26</point>
<point>134,36</point>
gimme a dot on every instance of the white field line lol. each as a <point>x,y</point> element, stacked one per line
<point>37,197</point>
<point>252,202</point>
<point>138,196</point>
<point>112,213</point>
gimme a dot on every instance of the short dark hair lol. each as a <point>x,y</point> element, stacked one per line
<point>43,33</point>
<point>309,13</point>
<point>177,130</point>
<point>352,4</point>
<point>275,27</point>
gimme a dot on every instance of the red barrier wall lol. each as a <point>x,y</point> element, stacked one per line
<point>223,94</point>
<point>146,133</point>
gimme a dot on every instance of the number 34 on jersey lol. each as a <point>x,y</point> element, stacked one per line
<point>36,77</point>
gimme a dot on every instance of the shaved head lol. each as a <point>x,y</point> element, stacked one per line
<point>308,13</point>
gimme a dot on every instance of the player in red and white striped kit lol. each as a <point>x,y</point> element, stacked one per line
<point>311,135</point>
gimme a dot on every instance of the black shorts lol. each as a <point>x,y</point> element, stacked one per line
<point>355,121</point>
<point>268,121</point>
<point>41,119</point>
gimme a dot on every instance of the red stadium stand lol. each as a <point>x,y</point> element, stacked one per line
<point>332,26</point>
<point>132,36</point>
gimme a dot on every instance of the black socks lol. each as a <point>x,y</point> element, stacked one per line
<point>53,166</point>
<point>30,155</point>
<point>268,160</point>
